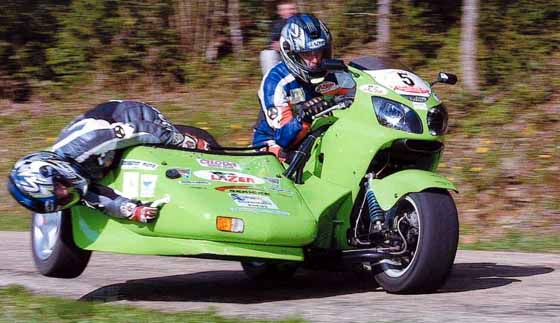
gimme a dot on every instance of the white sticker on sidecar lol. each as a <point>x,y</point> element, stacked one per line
<point>228,177</point>
<point>138,164</point>
<point>218,163</point>
<point>148,185</point>
<point>131,184</point>
<point>401,81</point>
<point>253,201</point>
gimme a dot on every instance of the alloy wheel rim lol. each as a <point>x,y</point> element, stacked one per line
<point>46,230</point>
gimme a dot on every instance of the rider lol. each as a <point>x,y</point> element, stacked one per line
<point>50,181</point>
<point>298,81</point>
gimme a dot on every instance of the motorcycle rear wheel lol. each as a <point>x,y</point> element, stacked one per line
<point>54,252</point>
<point>431,222</point>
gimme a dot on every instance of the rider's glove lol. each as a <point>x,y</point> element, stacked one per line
<point>308,109</point>
<point>144,213</point>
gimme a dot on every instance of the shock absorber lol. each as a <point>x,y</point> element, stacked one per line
<point>376,214</point>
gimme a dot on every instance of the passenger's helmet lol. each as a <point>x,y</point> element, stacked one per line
<point>304,33</point>
<point>32,182</point>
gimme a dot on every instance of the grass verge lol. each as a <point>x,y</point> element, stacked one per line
<point>19,305</point>
<point>515,241</point>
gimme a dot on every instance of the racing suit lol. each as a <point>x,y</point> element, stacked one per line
<point>92,139</point>
<point>277,126</point>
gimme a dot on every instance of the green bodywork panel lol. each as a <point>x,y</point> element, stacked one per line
<point>391,188</point>
<point>250,188</point>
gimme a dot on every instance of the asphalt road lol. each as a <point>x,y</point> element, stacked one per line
<point>483,287</point>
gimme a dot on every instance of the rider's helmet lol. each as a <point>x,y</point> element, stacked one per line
<point>34,178</point>
<point>305,33</point>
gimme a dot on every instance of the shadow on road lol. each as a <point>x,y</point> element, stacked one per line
<point>235,287</point>
<point>473,276</point>
<point>232,287</point>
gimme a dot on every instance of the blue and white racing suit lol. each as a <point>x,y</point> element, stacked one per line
<point>278,93</point>
<point>92,139</point>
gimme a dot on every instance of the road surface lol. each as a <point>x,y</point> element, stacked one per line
<point>484,287</point>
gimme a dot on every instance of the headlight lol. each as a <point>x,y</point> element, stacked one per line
<point>437,120</point>
<point>396,115</point>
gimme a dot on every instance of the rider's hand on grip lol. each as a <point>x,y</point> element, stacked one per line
<point>308,109</point>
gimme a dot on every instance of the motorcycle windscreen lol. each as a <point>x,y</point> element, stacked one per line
<point>212,197</point>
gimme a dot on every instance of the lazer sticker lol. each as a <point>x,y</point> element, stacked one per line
<point>373,89</point>
<point>253,201</point>
<point>148,185</point>
<point>218,164</point>
<point>401,81</point>
<point>138,164</point>
<point>131,184</point>
<point>228,177</point>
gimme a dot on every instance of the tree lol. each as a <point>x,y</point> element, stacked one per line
<point>469,46</point>
<point>383,27</point>
<point>235,27</point>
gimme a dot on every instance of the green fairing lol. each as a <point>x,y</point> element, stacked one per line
<point>280,217</point>
<point>390,189</point>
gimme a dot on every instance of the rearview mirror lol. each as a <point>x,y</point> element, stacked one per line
<point>446,78</point>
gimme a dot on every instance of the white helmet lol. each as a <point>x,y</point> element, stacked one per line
<point>304,33</point>
<point>33,178</point>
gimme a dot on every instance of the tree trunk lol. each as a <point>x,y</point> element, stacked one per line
<point>383,27</point>
<point>468,46</point>
<point>235,27</point>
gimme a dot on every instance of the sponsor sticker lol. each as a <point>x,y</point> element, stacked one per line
<point>272,180</point>
<point>326,87</point>
<point>317,43</point>
<point>253,201</point>
<point>259,210</point>
<point>138,164</point>
<point>418,105</point>
<point>131,184</point>
<point>373,89</point>
<point>228,177</point>
<point>297,96</point>
<point>242,190</point>
<point>218,164</point>
<point>148,185</point>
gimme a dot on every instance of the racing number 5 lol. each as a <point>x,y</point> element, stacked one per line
<point>406,80</point>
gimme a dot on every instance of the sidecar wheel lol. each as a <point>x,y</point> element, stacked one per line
<point>269,271</point>
<point>430,223</point>
<point>54,252</point>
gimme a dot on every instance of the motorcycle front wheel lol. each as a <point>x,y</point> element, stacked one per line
<point>429,224</point>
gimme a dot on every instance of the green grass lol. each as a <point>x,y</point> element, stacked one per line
<point>515,241</point>
<point>19,305</point>
<point>10,222</point>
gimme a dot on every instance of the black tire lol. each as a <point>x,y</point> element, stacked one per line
<point>63,259</point>
<point>269,271</point>
<point>435,248</point>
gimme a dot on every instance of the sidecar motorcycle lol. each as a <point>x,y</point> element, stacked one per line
<point>360,192</point>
